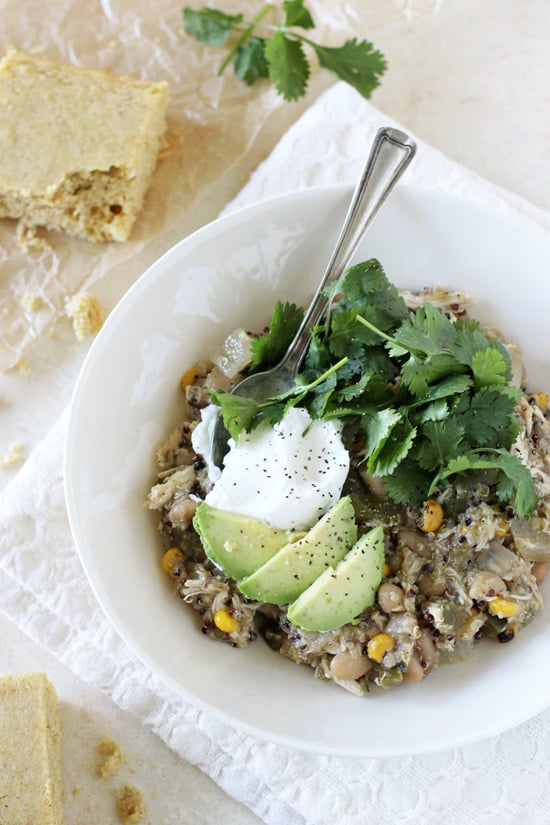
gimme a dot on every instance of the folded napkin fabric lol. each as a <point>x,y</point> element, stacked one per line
<point>329,144</point>
<point>43,589</point>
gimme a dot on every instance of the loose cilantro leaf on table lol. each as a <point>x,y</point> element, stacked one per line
<point>249,61</point>
<point>278,51</point>
<point>431,396</point>
<point>288,65</point>
<point>357,62</point>
<point>296,14</point>
<point>210,25</point>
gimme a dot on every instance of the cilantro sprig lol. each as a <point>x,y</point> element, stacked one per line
<point>262,50</point>
<point>432,396</point>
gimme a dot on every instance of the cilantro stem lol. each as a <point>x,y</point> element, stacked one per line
<point>244,36</point>
<point>303,390</point>
<point>326,374</point>
<point>379,332</point>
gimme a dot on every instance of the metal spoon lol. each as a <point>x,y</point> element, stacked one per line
<point>389,156</point>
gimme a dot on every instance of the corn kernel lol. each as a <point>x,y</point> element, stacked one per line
<point>541,399</point>
<point>379,645</point>
<point>171,557</point>
<point>225,622</point>
<point>431,516</point>
<point>502,528</point>
<point>189,377</point>
<point>386,569</point>
<point>503,608</point>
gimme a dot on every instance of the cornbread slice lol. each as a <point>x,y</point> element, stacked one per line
<point>78,146</point>
<point>31,787</point>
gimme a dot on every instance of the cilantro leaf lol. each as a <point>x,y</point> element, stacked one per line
<point>355,388</point>
<point>427,331</point>
<point>470,340</point>
<point>434,411</point>
<point>489,367</point>
<point>378,427</point>
<point>210,25</point>
<point>356,62</point>
<point>238,411</point>
<point>269,348</point>
<point>453,385</point>
<point>393,450</point>
<point>348,336</point>
<point>318,357</point>
<point>249,61</point>
<point>441,442</point>
<point>296,14</point>
<point>418,374</point>
<point>288,65</point>
<point>360,397</point>
<point>407,484</point>
<point>489,418</point>
<point>366,287</point>
<point>514,482</point>
<point>343,334</point>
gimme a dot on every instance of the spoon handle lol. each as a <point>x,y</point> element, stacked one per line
<point>390,154</point>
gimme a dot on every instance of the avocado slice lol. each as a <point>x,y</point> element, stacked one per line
<point>287,574</point>
<point>342,593</point>
<point>236,543</point>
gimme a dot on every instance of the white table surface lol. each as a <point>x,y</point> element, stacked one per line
<point>471,80</point>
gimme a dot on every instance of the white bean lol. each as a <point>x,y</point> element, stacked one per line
<point>348,667</point>
<point>415,671</point>
<point>426,651</point>
<point>486,585</point>
<point>390,598</point>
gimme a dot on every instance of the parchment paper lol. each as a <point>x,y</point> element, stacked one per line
<point>219,130</point>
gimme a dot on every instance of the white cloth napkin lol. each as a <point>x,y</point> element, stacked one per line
<point>44,591</point>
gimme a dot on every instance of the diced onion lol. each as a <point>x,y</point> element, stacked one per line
<point>532,538</point>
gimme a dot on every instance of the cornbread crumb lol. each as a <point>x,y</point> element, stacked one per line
<point>130,805</point>
<point>31,302</point>
<point>86,313</point>
<point>114,757</point>
<point>79,147</point>
<point>27,237</point>
<point>11,459</point>
<point>31,789</point>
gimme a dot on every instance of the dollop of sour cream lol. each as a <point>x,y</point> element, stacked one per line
<point>288,475</point>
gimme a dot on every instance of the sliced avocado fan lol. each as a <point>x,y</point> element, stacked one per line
<point>341,593</point>
<point>285,575</point>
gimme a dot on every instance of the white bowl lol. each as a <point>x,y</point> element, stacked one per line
<point>127,401</point>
